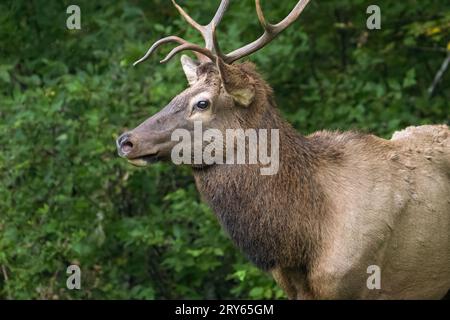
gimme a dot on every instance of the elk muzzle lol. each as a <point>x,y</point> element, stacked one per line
<point>136,149</point>
<point>151,141</point>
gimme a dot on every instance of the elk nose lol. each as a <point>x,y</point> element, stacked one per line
<point>125,145</point>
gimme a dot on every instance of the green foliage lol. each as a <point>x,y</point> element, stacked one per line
<point>65,95</point>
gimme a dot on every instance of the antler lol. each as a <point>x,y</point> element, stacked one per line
<point>184,45</point>
<point>271,31</point>
<point>208,32</point>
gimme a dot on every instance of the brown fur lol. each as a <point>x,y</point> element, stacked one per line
<point>258,211</point>
<point>280,222</point>
<point>294,223</point>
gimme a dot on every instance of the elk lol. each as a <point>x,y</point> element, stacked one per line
<point>341,203</point>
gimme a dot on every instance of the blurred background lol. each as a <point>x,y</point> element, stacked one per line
<point>65,96</point>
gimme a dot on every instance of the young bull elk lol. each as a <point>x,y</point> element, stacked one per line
<point>340,204</point>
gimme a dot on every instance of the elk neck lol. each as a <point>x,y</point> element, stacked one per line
<point>259,212</point>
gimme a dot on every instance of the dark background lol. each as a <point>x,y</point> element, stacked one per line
<point>65,95</point>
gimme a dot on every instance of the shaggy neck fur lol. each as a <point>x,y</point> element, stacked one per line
<point>259,212</point>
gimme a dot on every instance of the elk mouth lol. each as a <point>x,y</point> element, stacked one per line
<point>144,160</point>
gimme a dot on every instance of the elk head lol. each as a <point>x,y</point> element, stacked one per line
<point>220,94</point>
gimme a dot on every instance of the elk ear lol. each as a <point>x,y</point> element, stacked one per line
<point>189,68</point>
<point>237,84</point>
<point>244,96</point>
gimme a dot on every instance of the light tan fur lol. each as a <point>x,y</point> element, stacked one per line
<point>391,208</point>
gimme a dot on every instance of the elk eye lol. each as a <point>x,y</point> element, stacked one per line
<point>202,104</point>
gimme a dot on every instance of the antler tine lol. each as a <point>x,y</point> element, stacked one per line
<point>159,43</point>
<point>271,31</point>
<point>262,19</point>
<point>211,42</point>
<point>191,47</point>
<point>188,18</point>
<point>220,12</point>
<point>207,31</point>
<point>216,20</point>
<point>292,16</point>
